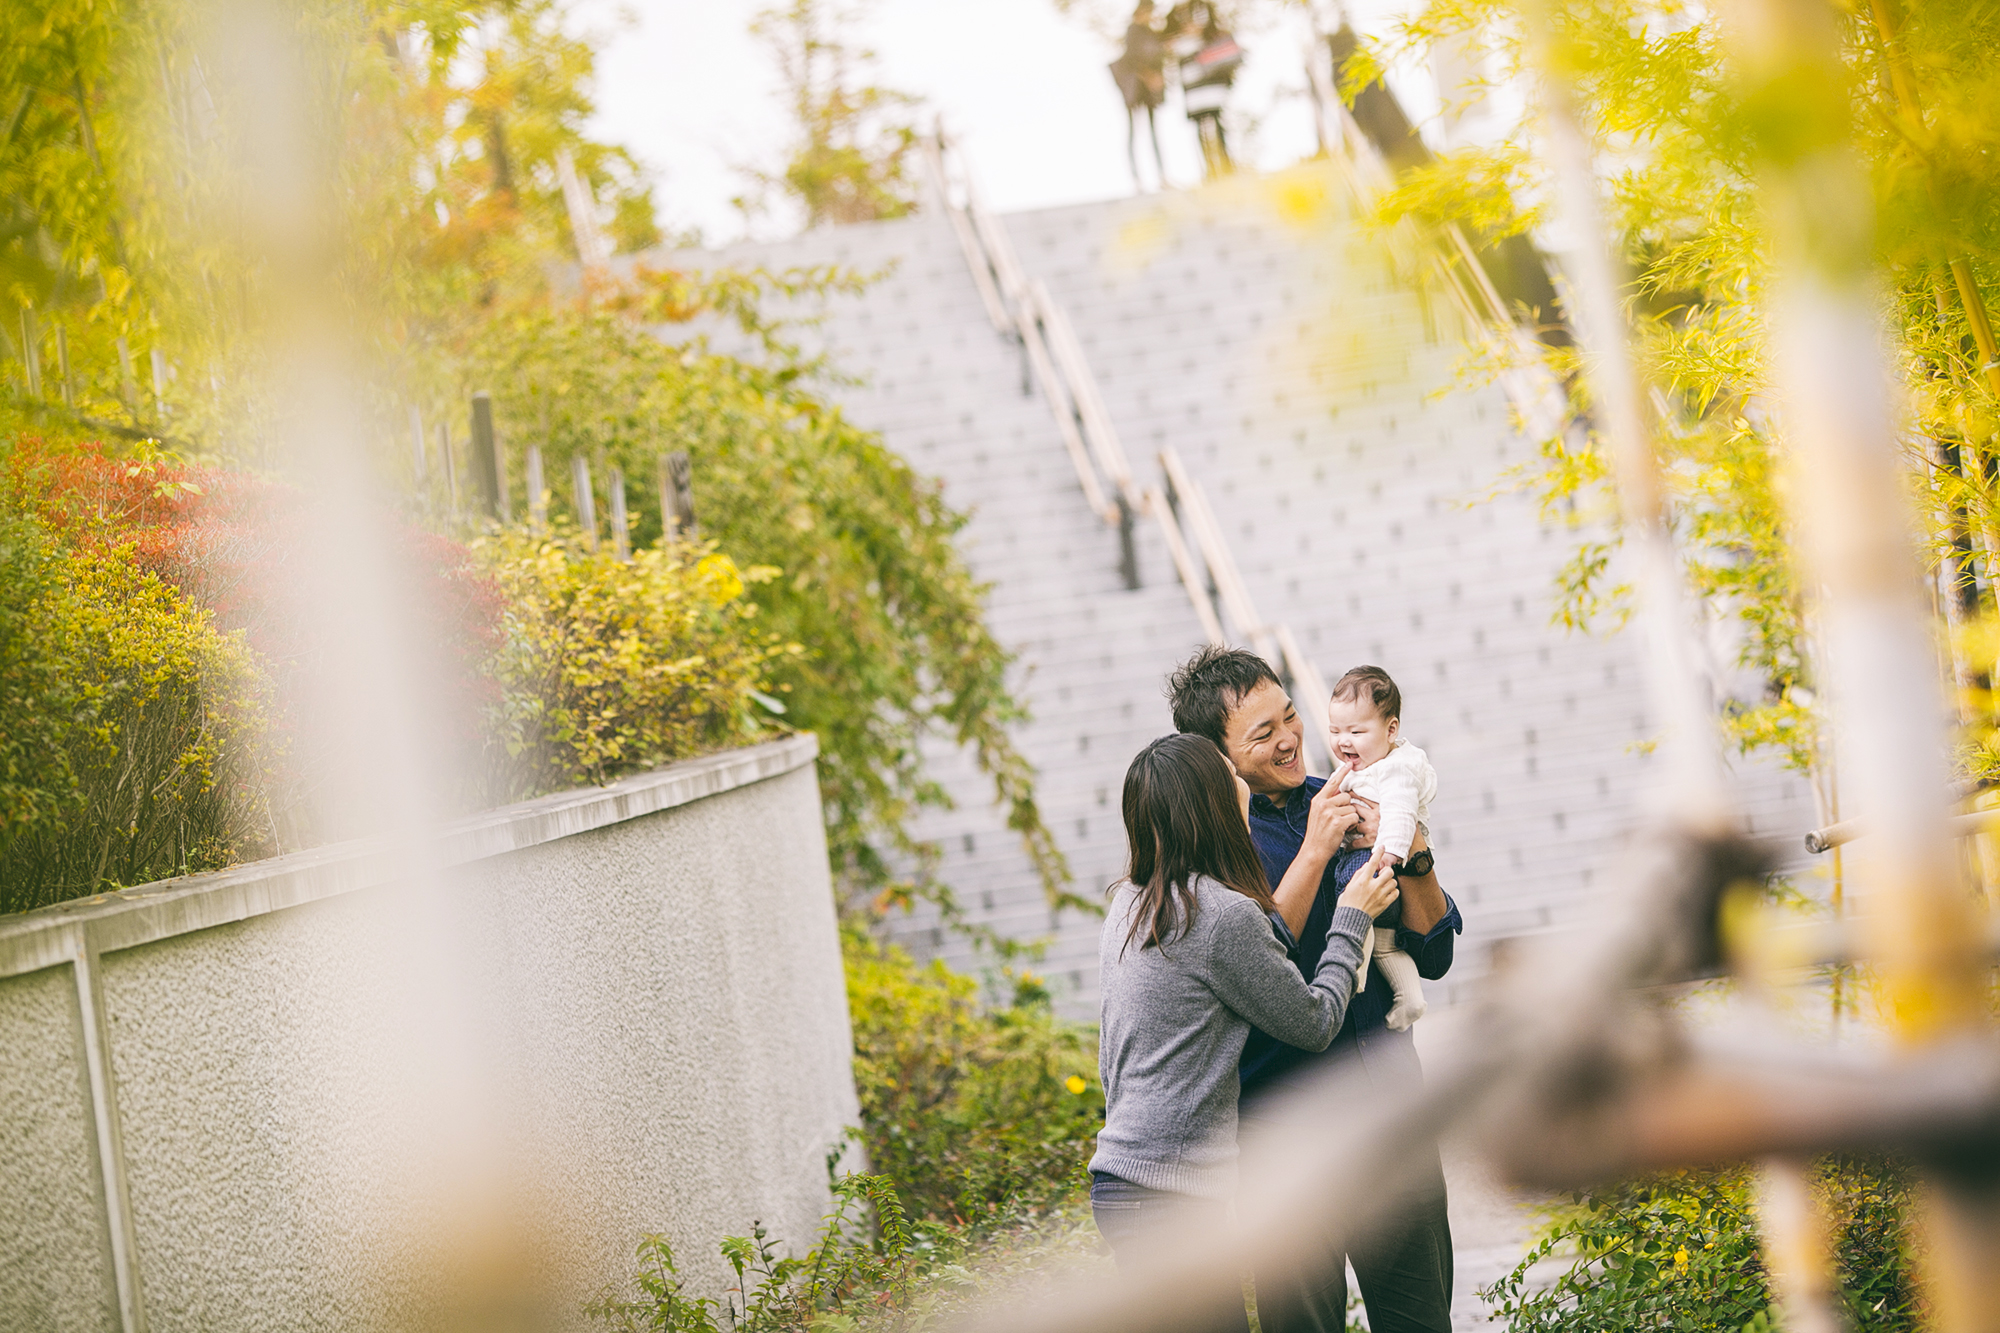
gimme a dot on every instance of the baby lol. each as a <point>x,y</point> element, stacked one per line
<point>1376,764</point>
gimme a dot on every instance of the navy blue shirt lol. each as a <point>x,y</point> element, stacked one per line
<point>1279,832</point>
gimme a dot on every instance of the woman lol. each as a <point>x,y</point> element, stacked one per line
<point>1190,959</point>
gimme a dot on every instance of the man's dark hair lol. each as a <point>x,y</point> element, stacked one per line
<point>1375,683</point>
<point>1203,689</point>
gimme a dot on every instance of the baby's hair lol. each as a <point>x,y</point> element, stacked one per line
<point>1375,683</point>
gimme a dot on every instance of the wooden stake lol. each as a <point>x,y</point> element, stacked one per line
<point>677,496</point>
<point>586,503</point>
<point>128,384</point>
<point>450,468</point>
<point>31,359</point>
<point>538,491</point>
<point>488,469</point>
<point>62,364</point>
<point>621,536</point>
<point>418,460</point>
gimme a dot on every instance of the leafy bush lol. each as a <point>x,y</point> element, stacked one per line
<point>873,1267</point>
<point>36,700</point>
<point>606,667</point>
<point>864,1259</point>
<point>978,1115</point>
<point>873,583</point>
<point>1681,1252</point>
<point>153,659</point>
<point>159,714</point>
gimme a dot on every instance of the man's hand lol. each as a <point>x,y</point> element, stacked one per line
<point>1368,820</point>
<point>1328,818</point>
<point>1424,903</point>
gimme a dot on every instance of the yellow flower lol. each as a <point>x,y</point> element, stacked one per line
<point>1681,1260</point>
<point>1075,1084</point>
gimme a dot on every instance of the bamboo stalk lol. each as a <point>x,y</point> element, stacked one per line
<point>1982,327</point>
<point>1903,82</point>
<point>1794,1236</point>
<point>1797,1252</point>
<point>1846,504</point>
<point>1694,790</point>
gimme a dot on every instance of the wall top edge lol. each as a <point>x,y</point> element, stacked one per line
<point>107,922</point>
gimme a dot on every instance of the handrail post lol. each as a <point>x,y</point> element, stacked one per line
<point>1128,549</point>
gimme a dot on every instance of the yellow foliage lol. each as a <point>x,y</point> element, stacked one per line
<point>608,667</point>
<point>167,716</point>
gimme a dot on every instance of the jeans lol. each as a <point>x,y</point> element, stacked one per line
<point>1129,1216</point>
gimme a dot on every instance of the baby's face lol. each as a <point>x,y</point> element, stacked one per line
<point>1357,733</point>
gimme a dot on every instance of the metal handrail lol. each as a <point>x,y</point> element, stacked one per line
<point>983,276</point>
<point>1026,312</point>
<point>1104,442</point>
<point>1185,504</point>
<point>1177,548</point>
<point>1023,309</point>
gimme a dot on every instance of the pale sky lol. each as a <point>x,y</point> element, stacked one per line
<point>1022,88</point>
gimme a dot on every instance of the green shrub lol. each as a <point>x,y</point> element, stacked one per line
<point>1681,1252</point>
<point>160,716</point>
<point>873,584</point>
<point>872,1268</point>
<point>607,667</point>
<point>36,699</point>
<point>864,1259</point>
<point>977,1114</point>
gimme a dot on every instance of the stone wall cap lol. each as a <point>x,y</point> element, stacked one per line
<point>105,922</point>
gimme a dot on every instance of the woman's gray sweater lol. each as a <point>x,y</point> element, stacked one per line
<point>1173,1022</point>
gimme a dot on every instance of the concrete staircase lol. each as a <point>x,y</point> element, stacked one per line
<point>1255,327</point>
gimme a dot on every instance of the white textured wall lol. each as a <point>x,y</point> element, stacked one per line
<point>603,1018</point>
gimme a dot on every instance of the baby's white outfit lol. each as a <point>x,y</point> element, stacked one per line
<point>1403,784</point>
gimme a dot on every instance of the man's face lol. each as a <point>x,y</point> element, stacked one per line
<point>1266,741</point>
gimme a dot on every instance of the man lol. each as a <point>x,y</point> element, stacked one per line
<point>1299,825</point>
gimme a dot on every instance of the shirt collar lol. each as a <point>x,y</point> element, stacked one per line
<point>1261,804</point>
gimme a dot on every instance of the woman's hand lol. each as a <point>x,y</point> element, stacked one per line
<point>1372,889</point>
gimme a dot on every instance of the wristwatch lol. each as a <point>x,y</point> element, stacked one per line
<point>1416,867</point>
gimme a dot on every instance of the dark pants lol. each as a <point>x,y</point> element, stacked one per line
<point>1404,1269</point>
<point>1129,1216</point>
<point>1405,1274</point>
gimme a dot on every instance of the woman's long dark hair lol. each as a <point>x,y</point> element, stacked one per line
<point>1182,820</point>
